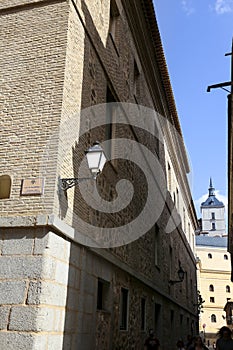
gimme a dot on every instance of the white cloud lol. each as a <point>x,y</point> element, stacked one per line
<point>187,7</point>
<point>223,6</point>
<point>222,198</point>
<point>198,202</point>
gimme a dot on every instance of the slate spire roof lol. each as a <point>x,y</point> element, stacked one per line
<point>212,201</point>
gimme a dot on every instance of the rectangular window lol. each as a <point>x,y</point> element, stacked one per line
<point>114,24</point>
<point>213,216</point>
<point>103,292</point>
<point>191,287</point>
<point>124,309</point>
<point>177,200</point>
<point>181,320</point>
<point>184,220</point>
<point>170,262</point>
<point>172,318</point>
<point>187,288</point>
<point>143,314</point>
<point>110,132</point>
<point>189,233</point>
<point>157,318</point>
<point>157,244</point>
<point>100,296</point>
<point>212,299</point>
<point>169,178</point>
<point>213,226</point>
<point>136,84</point>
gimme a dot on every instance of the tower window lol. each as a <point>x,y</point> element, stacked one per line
<point>212,300</point>
<point>209,256</point>
<point>225,257</point>
<point>213,216</point>
<point>228,289</point>
<point>213,226</point>
<point>213,318</point>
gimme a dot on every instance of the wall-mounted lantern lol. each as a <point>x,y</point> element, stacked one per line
<point>180,274</point>
<point>95,159</point>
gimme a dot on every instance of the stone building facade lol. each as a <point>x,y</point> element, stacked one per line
<point>59,290</point>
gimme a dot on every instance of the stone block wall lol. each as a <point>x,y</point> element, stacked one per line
<point>48,291</point>
<point>33,283</point>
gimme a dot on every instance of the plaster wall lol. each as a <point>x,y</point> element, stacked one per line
<point>214,271</point>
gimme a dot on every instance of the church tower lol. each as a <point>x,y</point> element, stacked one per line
<point>213,214</point>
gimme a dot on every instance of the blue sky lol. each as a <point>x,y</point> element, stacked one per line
<point>196,34</point>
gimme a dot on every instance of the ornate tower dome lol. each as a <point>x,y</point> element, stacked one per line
<point>213,214</point>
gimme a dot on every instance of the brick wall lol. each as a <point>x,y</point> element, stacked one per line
<point>32,61</point>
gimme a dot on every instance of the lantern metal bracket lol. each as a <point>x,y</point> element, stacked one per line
<point>65,184</point>
<point>174,282</point>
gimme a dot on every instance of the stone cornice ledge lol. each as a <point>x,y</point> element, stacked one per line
<point>23,221</point>
<point>37,221</point>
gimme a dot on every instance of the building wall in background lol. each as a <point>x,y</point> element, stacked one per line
<point>214,269</point>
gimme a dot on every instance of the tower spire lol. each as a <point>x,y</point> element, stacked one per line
<point>211,188</point>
